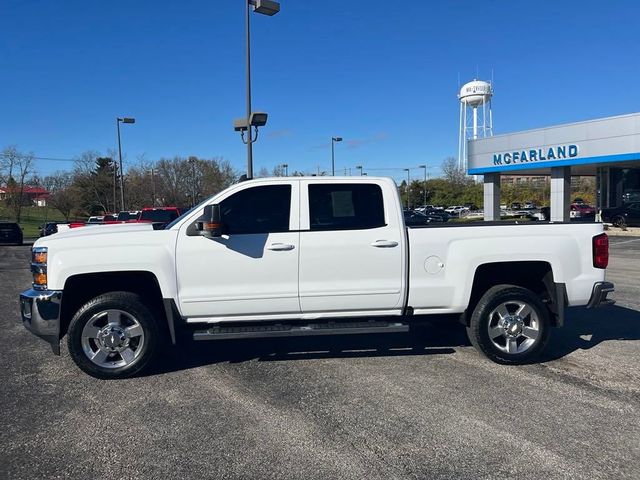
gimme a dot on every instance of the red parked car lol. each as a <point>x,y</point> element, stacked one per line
<point>160,215</point>
<point>582,210</point>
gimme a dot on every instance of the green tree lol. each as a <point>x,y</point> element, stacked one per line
<point>96,180</point>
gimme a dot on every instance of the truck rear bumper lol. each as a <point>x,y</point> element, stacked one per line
<point>599,295</point>
<point>40,310</point>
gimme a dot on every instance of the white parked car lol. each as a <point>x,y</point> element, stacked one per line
<point>455,209</point>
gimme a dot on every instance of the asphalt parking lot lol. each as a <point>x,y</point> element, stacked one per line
<point>417,405</point>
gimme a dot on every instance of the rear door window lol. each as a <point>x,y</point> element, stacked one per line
<point>345,206</point>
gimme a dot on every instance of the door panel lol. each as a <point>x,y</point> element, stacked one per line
<point>249,270</point>
<point>351,256</point>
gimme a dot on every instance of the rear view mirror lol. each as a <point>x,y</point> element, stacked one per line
<point>211,225</point>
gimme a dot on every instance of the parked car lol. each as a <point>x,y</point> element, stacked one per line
<point>582,211</point>
<point>10,232</point>
<point>48,228</point>
<point>627,214</point>
<point>415,218</point>
<point>438,212</point>
<point>305,256</point>
<point>133,216</point>
<point>95,219</point>
<point>454,210</point>
<point>160,215</point>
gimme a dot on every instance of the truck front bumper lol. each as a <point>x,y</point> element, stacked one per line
<point>599,295</point>
<point>40,311</point>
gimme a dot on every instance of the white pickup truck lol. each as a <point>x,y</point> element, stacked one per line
<point>305,256</point>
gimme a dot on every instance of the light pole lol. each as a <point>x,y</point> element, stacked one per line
<point>359,167</point>
<point>123,120</point>
<point>286,169</point>
<point>425,184</point>
<point>153,186</point>
<point>265,7</point>
<point>192,162</point>
<point>333,154</point>
<point>408,182</point>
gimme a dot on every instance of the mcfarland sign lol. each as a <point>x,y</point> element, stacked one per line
<point>559,152</point>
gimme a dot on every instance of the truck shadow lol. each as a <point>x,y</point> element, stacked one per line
<point>428,339</point>
<point>583,329</point>
<point>586,328</point>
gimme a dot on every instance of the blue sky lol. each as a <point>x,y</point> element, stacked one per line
<point>383,75</point>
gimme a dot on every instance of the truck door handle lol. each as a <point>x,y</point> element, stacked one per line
<point>280,247</point>
<point>384,244</point>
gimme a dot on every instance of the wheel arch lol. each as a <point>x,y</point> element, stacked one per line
<point>79,289</point>
<point>536,276</point>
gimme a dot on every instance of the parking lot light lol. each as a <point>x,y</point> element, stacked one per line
<point>333,154</point>
<point>264,7</point>
<point>118,121</point>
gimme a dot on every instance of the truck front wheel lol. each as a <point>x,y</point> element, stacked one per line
<point>113,335</point>
<point>509,325</point>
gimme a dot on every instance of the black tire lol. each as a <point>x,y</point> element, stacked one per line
<point>486,316</point>
<point>619,222</point>
<point>130,306</point>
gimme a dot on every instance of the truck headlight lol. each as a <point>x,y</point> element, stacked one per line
<point>39,257</point>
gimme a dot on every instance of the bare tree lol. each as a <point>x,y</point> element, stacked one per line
<point>8,159</point>
<point>182,181</point>
<point>21,166</point>
<point>263,173</point>
<point>63,195</point>
<point>454,174</point>
<point>278,171</point>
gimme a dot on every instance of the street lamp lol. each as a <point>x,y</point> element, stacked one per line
<point>269,8</point>
<point>192,162</point>
<point>123,120</point>
<point>333,154</point>
<point>408,182</point>
<point>359,167</point>
<point>425,184</point>
<point>286,169</point>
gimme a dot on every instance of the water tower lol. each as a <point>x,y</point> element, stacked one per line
<point>474,95</point>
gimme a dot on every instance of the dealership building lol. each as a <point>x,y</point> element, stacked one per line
<point>606,148</point>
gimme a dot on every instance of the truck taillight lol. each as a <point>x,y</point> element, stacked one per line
<point>601,251</point>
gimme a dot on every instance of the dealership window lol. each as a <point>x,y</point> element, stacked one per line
<point>345,206</point>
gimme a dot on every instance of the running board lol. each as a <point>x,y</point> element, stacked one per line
<point>292,330</point>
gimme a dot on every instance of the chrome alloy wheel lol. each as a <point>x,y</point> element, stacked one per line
<point>112,338</point>
<point>513,326</point>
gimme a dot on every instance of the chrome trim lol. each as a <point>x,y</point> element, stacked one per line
<point>40,311</point>
<point>38,268</point>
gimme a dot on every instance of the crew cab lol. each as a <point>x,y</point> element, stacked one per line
<point>305,256</point>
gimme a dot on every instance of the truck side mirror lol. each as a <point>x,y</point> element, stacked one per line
<point>211,224</point>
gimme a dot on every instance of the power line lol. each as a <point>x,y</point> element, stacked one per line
<point>48,158</point>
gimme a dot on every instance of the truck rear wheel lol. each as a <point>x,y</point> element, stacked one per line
<point>113,336</point>
<point>509,325</point>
